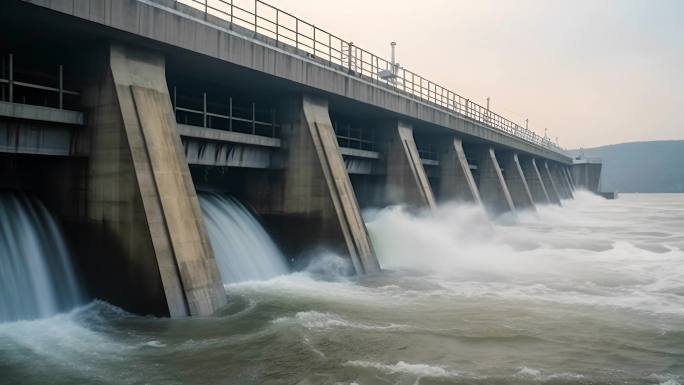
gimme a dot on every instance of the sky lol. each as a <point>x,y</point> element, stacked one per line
<point>594,72</point>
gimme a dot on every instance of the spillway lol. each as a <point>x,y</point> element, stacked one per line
<point>36,276</point>
<point>242,248</point>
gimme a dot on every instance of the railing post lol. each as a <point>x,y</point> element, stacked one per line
<point>175,103</point>
<point>349,55</point>
<point>296,33</point>
<point>230,114</point>
<point>277,25</point>
<point>256,18</point>
<point>314,41</point>
<point>204,109</point>
<point>61,86</point>
<point>330,58</point>
<point>253,118</point>
<point>273,122</point>
<point>11,78</point>
<point>231,14</point>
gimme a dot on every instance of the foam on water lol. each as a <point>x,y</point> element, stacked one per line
<point>557,254</point>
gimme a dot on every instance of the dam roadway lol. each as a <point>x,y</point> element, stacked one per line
<point>115,113</point>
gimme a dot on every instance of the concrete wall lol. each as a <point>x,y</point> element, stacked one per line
<point>406,180</point>
<point>457,182</point>
<point>141,197</point>
<point>516,182</point>
<point>318,191</point>
<point>493,190</point>
<point>587,176</point>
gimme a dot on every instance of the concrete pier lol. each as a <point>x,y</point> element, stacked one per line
<point>516,182</point>
<point>141,193</point>
<point>493,190</point>
<point>457,182</point>
<point>535,181</point>
<point>406,181</point>
<point>317,186</point>
<point>551,187</point>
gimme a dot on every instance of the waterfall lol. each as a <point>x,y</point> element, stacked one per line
<point>36,276</point>
<point>242,248</point>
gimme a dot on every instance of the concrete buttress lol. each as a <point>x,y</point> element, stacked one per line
<point>535,181</point>
<point>493,189</point>
<point>141,192</point>
<point>457,182</point>
<point>406,181</point>
<point>317,186</point>
<point>516,182</point>
<point>550,184</point>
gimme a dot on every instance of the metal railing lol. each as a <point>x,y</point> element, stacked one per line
<point>9,85</point>
<point>280,27</point>
<point>224,115</point>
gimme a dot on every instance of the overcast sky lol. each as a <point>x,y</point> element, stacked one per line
<point>593,72</point>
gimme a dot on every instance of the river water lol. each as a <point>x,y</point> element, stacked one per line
<point>590,293</point>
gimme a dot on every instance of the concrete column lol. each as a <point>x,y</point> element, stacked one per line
<point>406,181</point>
<point>141,195</point>
<point>516,182</point>
<point>551,187</point>
<point>457,182</point>
<point>493,189</point>
<point>317,186</point>
<point>534,181</point>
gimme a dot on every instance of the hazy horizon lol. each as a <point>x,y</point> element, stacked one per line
<point>593,73</point>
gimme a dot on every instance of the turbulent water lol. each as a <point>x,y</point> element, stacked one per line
<point>242,248</point>
<point>36,276</point>
<point>591,293</point>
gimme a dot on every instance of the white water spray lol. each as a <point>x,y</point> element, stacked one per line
<point>242,248</point>
<point>36,276</point>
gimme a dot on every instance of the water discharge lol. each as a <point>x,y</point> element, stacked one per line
<point>590,293</point>
<point>36,276</point>
<point>242,248</point>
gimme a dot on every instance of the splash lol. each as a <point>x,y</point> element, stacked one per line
<point>243,250</point>
<point>37,279</point>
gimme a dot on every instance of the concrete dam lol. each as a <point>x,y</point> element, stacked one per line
<point>173,141</point>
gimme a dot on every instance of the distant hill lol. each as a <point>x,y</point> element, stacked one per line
<point>641,167</point>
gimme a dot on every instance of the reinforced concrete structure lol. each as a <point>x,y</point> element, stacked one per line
<point>115,113</point>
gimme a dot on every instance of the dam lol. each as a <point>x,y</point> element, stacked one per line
<point>132,120</point>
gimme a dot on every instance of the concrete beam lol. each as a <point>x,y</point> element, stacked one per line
<point>457,182</point>
<point>406,180</point>
<point>227,136</point>
<point>516,182</point>
<point>493,190</point>
<point>141,193</point>
<point>534,181</point>
<point>39,138</point>
<point>39,113</point>
<point>551,187</point>
<point>317,186</point>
